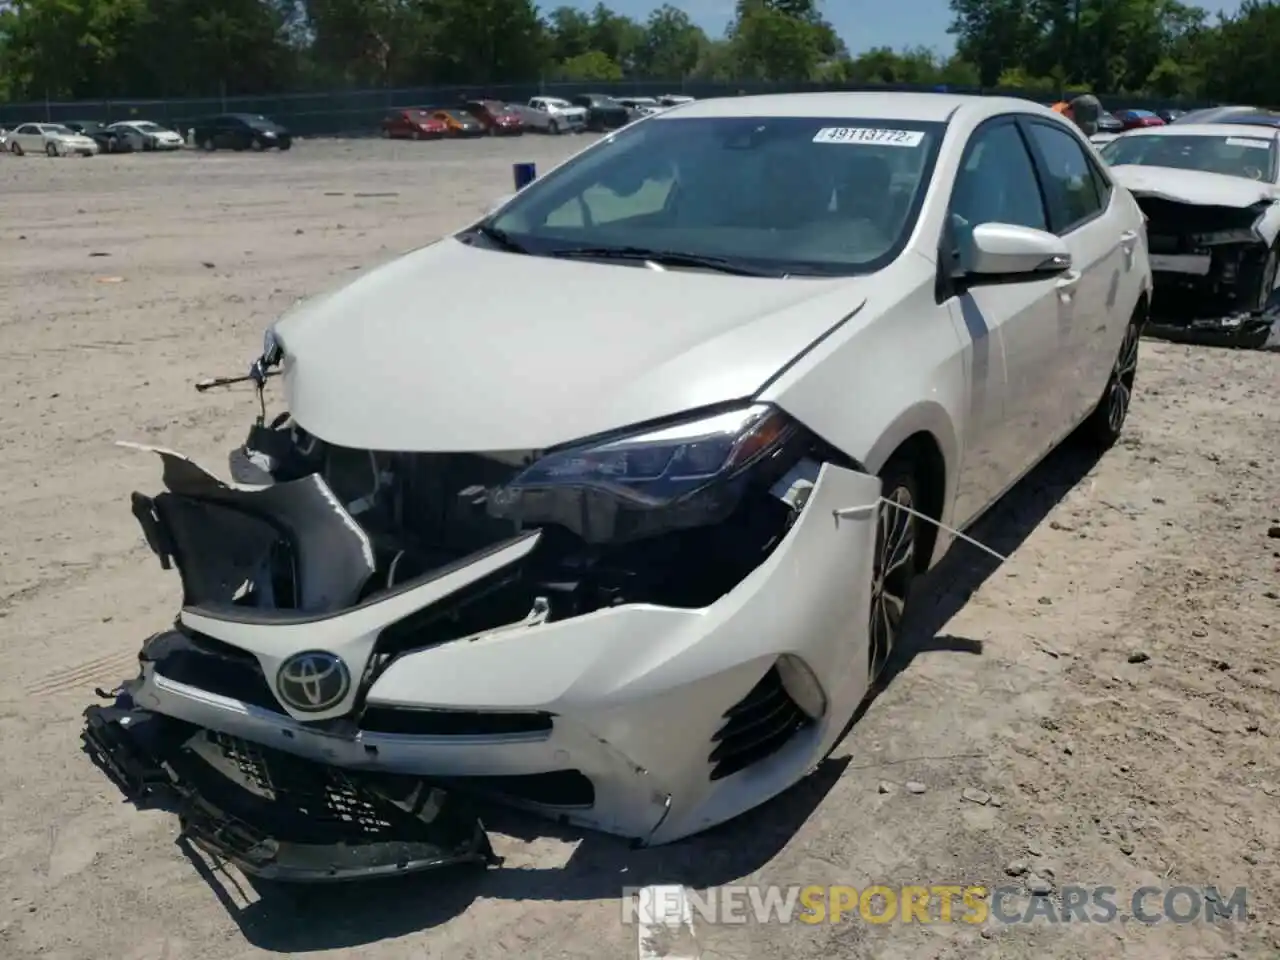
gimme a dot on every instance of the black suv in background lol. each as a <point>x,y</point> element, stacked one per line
<point>237,131</point>
<point>603,113</point>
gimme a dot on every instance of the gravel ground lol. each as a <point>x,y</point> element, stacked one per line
<point>1114,687</point>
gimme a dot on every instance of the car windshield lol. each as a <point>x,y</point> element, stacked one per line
<point>556,103</point>
<point>58,128</point>
<point>146,126</point>
<point>458,115</point>
<point>1239,156</point>
<point>790,195</point>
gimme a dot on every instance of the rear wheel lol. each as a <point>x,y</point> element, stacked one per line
<point>1103,426</point>
<point>896,561</point>
<point>207,144</point>
<point>51,149</point>
<point>553,127</point>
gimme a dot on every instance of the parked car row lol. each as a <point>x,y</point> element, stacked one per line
<point>554,115</point>
<point>89,137</point>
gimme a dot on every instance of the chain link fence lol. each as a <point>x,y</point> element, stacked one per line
<point>351,112</point>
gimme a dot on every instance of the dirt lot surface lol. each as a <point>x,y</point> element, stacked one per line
<point>1114,687</point>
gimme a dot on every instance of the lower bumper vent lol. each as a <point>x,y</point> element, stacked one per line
<point>756,727</point>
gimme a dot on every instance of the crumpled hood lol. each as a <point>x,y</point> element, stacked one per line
<point>1192,186</point>
<point>454,348</point>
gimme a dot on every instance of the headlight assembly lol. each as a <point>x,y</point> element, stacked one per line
<point>673,477</point>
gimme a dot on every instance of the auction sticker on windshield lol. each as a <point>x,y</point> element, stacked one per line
<point>873,135</point>
<point>1246,142</point>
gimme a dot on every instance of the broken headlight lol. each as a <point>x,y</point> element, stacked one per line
<point>687,474</point>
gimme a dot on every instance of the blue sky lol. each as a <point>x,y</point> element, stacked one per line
<point>862,23</point>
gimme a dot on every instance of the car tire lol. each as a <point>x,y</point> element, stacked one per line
<point>207,144</point>
<point>895,564</point>
<point>16,149</point>
<point>1103,426</point>
<point>284,146</point>
<point>553,128</point>
<point>51,149</point>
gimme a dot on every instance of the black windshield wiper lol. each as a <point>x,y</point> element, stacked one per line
<point>500,237</point>
<point>663,258</point>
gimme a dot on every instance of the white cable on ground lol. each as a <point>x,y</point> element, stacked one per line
<point>859,511</point>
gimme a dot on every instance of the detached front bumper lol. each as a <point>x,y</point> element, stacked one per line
<point>1252,331</point>
<point>275,816</point>
<point>645,721</point>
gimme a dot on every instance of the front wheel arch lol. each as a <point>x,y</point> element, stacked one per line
<point>929,468</point>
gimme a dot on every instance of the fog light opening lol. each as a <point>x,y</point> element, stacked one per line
<point>802,686</point>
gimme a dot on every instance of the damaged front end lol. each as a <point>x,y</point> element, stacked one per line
<point>645,633</point>
<point>277,816</point>
<point>1215,273</point>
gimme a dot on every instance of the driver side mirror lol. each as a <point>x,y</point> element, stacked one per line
<point>1006,252</point>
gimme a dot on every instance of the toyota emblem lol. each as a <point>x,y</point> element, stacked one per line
<point>313,682</point>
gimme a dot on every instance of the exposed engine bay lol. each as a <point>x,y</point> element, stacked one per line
<point>424,511</point>
<point>1215,273</point>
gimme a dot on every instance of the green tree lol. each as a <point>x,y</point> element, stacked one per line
<point>569,33</point>
<point>672,45</point>
<point>771,44</point>
<point>592,66</point>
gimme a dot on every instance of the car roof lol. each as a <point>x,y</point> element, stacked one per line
<point>887,105</point>
<point>1257,131</point>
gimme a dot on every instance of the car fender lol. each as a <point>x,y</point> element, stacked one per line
<point>895,369</point>
<point>1269,225</point>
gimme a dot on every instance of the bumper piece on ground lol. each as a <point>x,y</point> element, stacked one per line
<point>1249,331</point>
<point>277,816</point>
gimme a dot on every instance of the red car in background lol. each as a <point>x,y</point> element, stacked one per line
<point>413,124</point>
<point>1136,119</point>
<point>498,118</point>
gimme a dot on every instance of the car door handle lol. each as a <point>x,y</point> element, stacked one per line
<point>1067,285</point>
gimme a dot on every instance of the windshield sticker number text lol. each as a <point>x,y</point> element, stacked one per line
<point>870,135</point>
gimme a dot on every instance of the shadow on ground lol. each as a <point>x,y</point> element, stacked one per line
<point>297,918</point>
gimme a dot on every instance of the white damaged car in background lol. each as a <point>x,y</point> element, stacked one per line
<point>1210,195</point>
<point>626,539</point>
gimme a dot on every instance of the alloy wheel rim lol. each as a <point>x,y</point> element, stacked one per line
<point>1122,377</point>
<point>891,574</point>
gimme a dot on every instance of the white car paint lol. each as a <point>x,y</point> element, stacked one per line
<point>146,135</point>
<point>993,374</point>
<point>50,138</point>
<point>1209,189</point>
<point>551,114</point>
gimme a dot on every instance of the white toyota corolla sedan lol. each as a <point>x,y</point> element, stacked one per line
<point>615,534</point>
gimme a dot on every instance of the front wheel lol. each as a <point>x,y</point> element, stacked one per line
<point>51,149</point>
<point>1102,428</point>
<point>16,149</point>
<point>895,563</point>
